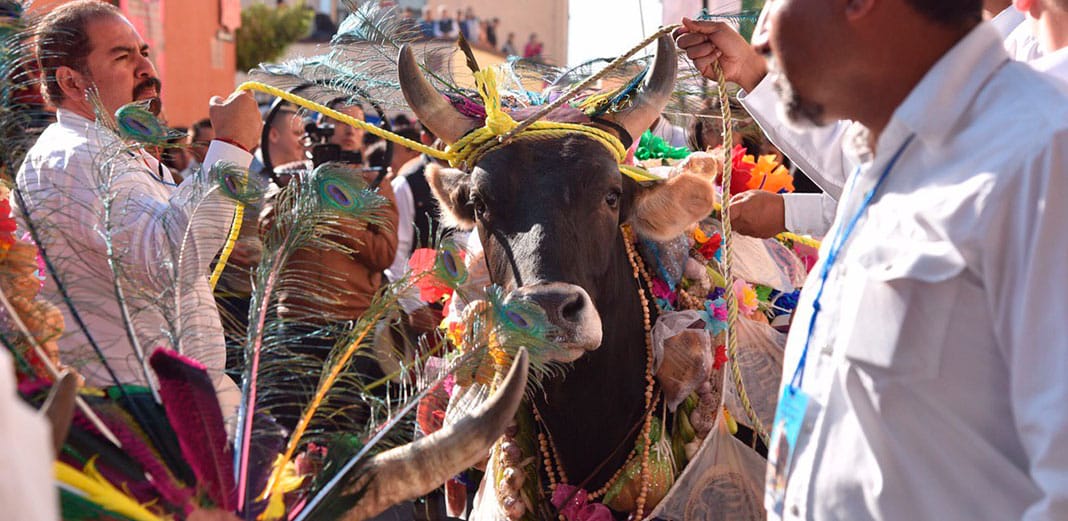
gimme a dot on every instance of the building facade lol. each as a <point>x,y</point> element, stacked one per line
<point>192,45</point>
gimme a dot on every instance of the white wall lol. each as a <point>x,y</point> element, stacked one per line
<point>608,28</point>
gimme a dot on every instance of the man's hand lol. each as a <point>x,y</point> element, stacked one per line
<point>705,42</point>
<point>237,119</point>
<point>757,213</point>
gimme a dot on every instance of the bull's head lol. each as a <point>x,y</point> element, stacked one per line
<point>549,212</point>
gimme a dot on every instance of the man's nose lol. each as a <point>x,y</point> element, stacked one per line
<point>146,69</point>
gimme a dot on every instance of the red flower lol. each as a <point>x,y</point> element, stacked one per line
<point>721,357</point>
<point>431,288</point>
<point>741,170</point>
<point>7,224</point>
<point>711,246</point>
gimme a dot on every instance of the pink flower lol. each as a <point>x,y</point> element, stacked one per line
<point>747,298</point>
<point>573,503</point>
<point>719,310</point>
<point>662,290</point>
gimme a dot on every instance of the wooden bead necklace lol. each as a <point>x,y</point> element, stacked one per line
<point>554,469</point>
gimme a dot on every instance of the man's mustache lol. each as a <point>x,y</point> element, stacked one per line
<point>148,84</point>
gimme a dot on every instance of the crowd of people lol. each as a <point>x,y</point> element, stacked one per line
<point>925,377</point>
<point>440,23</point>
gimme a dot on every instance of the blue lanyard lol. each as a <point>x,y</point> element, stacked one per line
<point>832,257</point>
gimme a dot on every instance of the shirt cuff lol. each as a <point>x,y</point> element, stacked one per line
<point>761,102</point>
<point>809,214</point>
<point>223,152</point>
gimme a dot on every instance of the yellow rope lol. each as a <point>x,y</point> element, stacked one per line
<point>344,118</point>
<point>466,152</point>
<point>228,248</point>
<point>728,259</point>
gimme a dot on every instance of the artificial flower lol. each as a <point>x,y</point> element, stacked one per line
<point>721,357</point>
<point>8,225</point>
<point>719,309</point>
<point>573,503</point>
<point>699,235</point>
<point>768,175</point>
<point>741,168</point>
<point>746,297</point>
<point>710,246</point>
<point>661,290</point>
<point>422,264</point>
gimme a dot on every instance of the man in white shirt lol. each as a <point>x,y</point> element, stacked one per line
<point>762,214</point>
<point>924,376</point>
<point>1049,19</point>
<point>162,238</point>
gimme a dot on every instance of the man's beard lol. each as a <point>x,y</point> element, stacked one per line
<point>795,110</point>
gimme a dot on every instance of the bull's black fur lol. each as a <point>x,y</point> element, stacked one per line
<point>549,201</point>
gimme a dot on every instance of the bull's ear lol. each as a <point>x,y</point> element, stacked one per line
<point>664,210</point>
<point>452,188</point>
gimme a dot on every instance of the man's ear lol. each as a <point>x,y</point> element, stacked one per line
<point>71,82</point>
<point>664,210</point>
<point>452,188</point>
<point>272,135</point>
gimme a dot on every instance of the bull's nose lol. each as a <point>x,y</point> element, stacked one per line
<point>571,312</point>
<point>563,305</point>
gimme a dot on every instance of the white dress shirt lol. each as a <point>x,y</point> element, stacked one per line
<point>940,354</point>
<point>165,238</point>
<point>1056,65</point>
<point>1007,21</point>
<point>818,152</point>
<point>405,226</point>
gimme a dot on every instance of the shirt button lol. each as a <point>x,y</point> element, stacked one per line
<point>827,350</point>
<point>794,511</point>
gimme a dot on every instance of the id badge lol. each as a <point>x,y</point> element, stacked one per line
<point>794,409</point>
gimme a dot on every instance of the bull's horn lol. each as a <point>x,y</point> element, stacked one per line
<point>416,469</point>
<point>429,106</point>
<point>655,94</point>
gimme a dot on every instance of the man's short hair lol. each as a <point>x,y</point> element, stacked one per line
<point>199,127</point>
<point>949,12</point>
<point>408,132</point>
<point>283,118</point>
<point>63,40</point>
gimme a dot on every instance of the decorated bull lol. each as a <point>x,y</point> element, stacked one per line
<point>555,214</point>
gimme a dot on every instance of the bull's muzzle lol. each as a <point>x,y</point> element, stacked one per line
<point>576,323</point>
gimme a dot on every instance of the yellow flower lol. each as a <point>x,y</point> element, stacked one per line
<point>699,235</point>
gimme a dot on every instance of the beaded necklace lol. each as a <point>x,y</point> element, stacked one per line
<point>554,470</point>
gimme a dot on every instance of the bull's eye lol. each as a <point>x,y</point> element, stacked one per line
<point>612,199</point>
<point>479,207</point>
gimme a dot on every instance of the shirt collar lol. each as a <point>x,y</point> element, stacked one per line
<point>1007,20</point>
<point>1052,62</point>
<point>937,103</point>
<point>70,118</point>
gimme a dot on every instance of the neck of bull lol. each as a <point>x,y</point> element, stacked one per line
<point>594,411</point>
